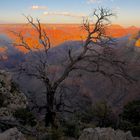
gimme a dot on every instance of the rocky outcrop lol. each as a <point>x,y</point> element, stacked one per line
<point>106,134</point>
<point>12,134</point>
<point>11,98</point>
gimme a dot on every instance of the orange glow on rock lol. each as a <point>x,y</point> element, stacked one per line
<point>137,44</point>
<point>58,33</point>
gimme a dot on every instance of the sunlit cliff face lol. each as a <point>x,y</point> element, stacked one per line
<point>59,33</point>
<point>137,43</point>
<point>2,49</point>
<point>3,55</point>
<point>135,38</point>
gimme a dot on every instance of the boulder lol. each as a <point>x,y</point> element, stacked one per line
<point>12,134</point>
<point>106,134</point>
<point>11,98</point>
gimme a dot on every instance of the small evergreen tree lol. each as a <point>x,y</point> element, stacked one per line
<point>130,118</point>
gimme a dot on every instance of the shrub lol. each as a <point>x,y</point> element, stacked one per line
<point>1,100</point>
<point>100,114</point>
<point>87,116</point>
<point>14,87</point>
<point>71,129</point>
<point>103,114</point>
<point>136,130</point>
<point>128,126</point>
<point>131,112</point>
<point>125,125</point>
<point>129,119</point>
<point>55,134</point>
<point>2,83</point>
<point>25,117</point>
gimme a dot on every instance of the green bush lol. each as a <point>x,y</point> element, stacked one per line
<point>71,129</point>
<point>128,126</point>
<point>130,118</point>
<point>136,130</point>
<point>131,112</point>
<point>14,87</point>
<point>2,83</point>
<point>25,117</point>
<point>1,100</point>
<point>100,114</point>
<point>125,125</point>
<point>103,114</point>
<point>55,134</point>
<point>87,116</point>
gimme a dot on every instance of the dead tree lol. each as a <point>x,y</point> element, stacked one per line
<point>97,61</point>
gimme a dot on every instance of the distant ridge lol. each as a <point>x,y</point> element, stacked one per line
<point>59,33</point>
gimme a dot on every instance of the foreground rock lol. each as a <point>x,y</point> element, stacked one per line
<point>12,134</point>
<point>106,134</point>
<point>11,98</point>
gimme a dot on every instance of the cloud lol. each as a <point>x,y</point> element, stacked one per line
<point>37,7</point>
<point>65,14</point>
<point>96,1</point>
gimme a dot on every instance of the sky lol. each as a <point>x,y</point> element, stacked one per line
<point>68,11</point>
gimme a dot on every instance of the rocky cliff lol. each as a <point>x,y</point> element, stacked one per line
<point>11,98</point>
<point>12,134</point>
<point>106,134</point>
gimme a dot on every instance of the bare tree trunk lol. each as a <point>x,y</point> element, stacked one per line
<point>50,117</point>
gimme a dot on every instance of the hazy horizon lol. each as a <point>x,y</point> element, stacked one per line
<point>67,24</point>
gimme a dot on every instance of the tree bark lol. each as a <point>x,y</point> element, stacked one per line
<point>50,117</point>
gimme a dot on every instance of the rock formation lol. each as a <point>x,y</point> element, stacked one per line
<point>106,134</point>
<point>12,134</point>
<point>11,98</point>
